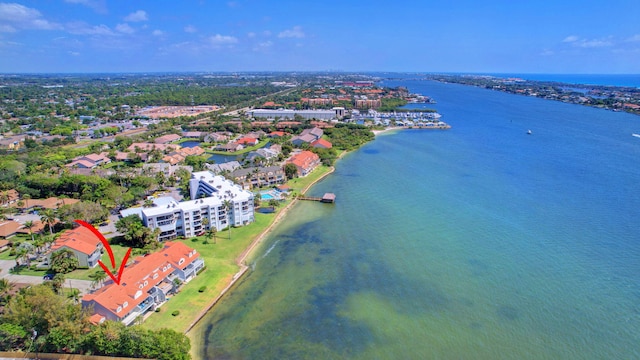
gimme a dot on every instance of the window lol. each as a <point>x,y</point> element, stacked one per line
<point>181,261</point>
<point>118,309</point>
<point>138,294</point>
<point>155,276</point>
<point>126,303</point>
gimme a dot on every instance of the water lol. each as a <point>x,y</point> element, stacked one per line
<point>190,144</point>
<point>480,242</point>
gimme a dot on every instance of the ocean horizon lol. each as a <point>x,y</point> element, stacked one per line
<point>478,242</point>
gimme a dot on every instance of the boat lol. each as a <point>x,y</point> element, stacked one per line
<point>529,132</point>
<point>636,135</point>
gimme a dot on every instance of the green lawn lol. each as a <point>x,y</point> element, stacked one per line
<point>219,259</point>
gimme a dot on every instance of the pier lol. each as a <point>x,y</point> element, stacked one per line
<point>329,198</point>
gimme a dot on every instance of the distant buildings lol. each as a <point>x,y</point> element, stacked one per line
<point>284,114</point>
<point>255,177</point>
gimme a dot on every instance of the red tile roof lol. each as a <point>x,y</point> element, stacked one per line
<point>9,228</point>
<point>80,239</point>
<point>139,277</point>
<point>322,143</point>
<point>304,159</point>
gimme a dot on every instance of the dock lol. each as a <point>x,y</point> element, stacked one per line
<point>329,198</point>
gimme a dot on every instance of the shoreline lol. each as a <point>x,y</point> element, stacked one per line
<point>241,259</point>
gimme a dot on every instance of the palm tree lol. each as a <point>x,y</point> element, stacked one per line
<point>227,207</point>
<point>26,198</point>
<point>4,197</point>
<point>5,288</point>
<point>48,216</point>
<point>74,294</point>
<point>29,225</point>
<point>148,203</point>
<point>211,233</point>
<point>97,278</point>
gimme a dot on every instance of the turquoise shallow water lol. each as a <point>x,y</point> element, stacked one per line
<point>480,242</point>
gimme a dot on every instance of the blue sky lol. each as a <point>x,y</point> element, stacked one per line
<point>492,36</point>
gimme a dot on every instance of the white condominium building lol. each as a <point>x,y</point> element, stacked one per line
<point>219,203</point>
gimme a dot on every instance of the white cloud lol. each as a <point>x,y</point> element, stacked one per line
<point>81,28</point>
<point>594,43</point>
<point>190,29</point>
<point>157,33</point>
<point>251,34</point>
<point>137,16</point>
<point>7,28</point>
<point>263,46</point>
<point>15,16</point>
<point>266,33</point>
<point>97,5</point>
<point>218,39</point>
<point>634,38</point>
<point>232,4</point>
<point>125,28</point>
<point>576,41</point>
<point>74,53</point>
<point>295,32</point>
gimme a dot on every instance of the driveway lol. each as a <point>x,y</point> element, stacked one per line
<point>5,266</point>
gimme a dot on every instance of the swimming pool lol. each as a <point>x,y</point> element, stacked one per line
<point>270,194</point>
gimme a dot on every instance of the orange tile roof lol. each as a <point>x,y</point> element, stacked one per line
<point>48,203</point>
<point>304,159</point>
<point>37,227</point>
<point>322,143</point>
<point>80,239</point>
<point>145,273</point>
<point>9,228</point>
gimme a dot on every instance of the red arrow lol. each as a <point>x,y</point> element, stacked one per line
<point>106,245</point>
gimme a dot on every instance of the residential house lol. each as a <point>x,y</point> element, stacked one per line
<point>193,134</point>
<point>255,177</point>
<point>216,137</point>
<point>165,139</point>
<point>165,168</point>
<point>48,203</point>
<point>256,134</point>
<point>277,148</point>
<point>315,132</point>
<point>145,284</point>
<point>227,167</point>
<point>305,161</point>
<point>276,134</point>
<point>82,242</point>
<point>248,141</point>
<point>230,147</point>
<point>4,245</point>
<point>9,229</point>
<point>9,197</point>
<point>321,143</point>
<point>146,147</point>
<point>191,151</point>
<point>303,139</point>
<point>89,161</point>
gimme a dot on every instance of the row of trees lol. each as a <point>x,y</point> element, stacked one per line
<point>38,319</point>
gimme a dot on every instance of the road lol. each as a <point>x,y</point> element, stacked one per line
<point>5,266</point>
